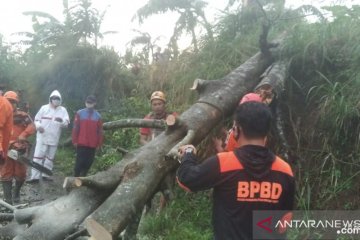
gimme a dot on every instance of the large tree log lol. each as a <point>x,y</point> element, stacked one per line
<point>146,123</point>
<point>271,88</point>
<point>132,181</point>
<point>139,184</point>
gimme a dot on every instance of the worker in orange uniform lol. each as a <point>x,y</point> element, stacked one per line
<point>231,143</point>
<point>6,125</point>
<point>23,127</point>
<point>158,112</point>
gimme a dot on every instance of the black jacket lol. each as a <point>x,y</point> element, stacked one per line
<point>250,178</point>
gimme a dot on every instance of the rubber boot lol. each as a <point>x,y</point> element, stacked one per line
<point>16,196</point>
<point>7,188</point>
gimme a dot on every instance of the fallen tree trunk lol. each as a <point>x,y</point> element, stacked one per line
<point>138,185</point>
<point>108,200</point>
<point>145,123</point>
<point>271,88</point>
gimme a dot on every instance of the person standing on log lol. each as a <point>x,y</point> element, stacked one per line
<point>23,127</point>
<point>49,122</point>
<point>87,136</point>
<point>249,178</point>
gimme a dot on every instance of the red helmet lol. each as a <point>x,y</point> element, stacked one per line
<point>250,97</point>
<point>11,95</point>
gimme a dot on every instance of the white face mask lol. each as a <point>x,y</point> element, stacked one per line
<point>55,102</point>
<point>90,105</point>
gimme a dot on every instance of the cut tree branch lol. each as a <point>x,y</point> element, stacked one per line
<point>135,123</point>
<point>174,153</point>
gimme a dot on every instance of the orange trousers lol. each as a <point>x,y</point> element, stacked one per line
<point>12,169</point>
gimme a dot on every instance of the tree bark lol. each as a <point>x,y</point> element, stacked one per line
<point>146,123</point>
<point>109,199</point>
<point>139,184</point>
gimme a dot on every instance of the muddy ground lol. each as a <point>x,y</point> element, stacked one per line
<point>40,193</point>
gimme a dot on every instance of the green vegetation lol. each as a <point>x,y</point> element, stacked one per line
<point>321,101</point>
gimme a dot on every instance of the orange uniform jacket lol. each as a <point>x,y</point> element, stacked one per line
<point>23,127</point>
<point>6,123</point>
<point>249,178</point>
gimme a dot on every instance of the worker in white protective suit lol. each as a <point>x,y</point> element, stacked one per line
<point>49,122</point>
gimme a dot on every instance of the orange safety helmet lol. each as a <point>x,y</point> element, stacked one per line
<point>158,95</point>
<point>250,97</point>
<point>11,95</point>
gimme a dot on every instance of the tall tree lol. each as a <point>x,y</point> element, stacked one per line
<point>191,15</point>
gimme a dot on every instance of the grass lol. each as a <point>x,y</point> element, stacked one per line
<point>188,216</point>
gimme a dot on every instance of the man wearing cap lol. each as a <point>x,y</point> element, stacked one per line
<point>158,107</point>
<point>87,135</point>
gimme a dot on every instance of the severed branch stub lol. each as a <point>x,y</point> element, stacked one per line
<point>96,231</point>
<point>76,182</point>
<point>173,121</point>
<point>199,84</point>
<point>174,153</point>
<point>205,86</point>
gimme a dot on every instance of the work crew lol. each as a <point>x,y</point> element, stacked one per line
<point>23,127</point>
<point>249,178</point>
<point>49,121</point>
<point>87,135</point>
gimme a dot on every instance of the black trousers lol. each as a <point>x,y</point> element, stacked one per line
<point>84,159</point>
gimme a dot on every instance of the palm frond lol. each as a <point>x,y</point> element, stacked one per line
<point>41,14</point>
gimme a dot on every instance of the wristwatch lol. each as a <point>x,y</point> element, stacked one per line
<point>189,150</point>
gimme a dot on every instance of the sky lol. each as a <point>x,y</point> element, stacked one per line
<point>118,18</point>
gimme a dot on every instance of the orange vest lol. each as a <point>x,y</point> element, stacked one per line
<point>6,123</point>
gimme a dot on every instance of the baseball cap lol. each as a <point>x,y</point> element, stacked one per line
<point>91,99</point>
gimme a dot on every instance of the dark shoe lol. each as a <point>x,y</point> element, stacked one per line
<point>32,181</point>
<point>16,194</point>
<point>7,188</point>
<point>48,179</point>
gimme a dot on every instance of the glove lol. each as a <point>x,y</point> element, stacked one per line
<point>58,120</point>
<point>41,129</point>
